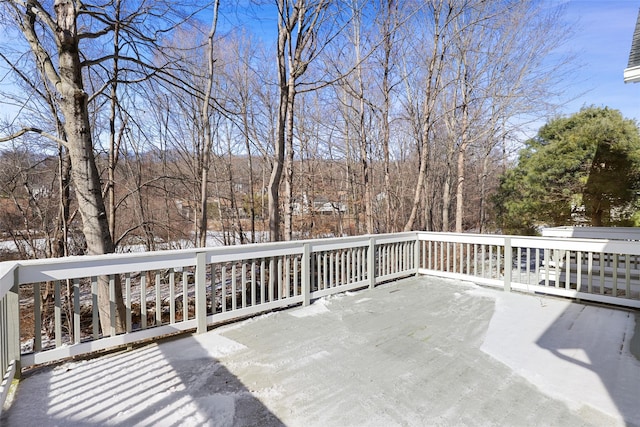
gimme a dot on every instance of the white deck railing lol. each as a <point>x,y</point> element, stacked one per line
<point>606,271</point>
<point>49,312</point>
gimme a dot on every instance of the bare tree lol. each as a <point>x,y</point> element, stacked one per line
<point>60,36</point>
<point>297,44</point>
<point>438,15</point>
<point>206,123</point>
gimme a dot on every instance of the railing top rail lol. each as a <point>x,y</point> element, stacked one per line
<point>608,233</point>
<point>7,271</point>
<point>573,244</point>
<point>577,244</point>
<point>487,239</point>
<point>40,270</point>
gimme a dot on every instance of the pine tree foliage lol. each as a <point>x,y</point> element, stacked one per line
<point>579,169</point>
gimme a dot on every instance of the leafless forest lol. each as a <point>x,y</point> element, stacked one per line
<point>265,120</point>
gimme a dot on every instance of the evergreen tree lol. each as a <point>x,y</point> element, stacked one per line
<point>582,168</point>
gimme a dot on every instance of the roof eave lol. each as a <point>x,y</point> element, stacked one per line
<point>632,75</point>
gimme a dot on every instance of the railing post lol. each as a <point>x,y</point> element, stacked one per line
<point>201,292</point>
<point>416,254</point>
<point>13,308</point>
<point>371,263</point>
<point>306,274</point>
<point>508,262</point>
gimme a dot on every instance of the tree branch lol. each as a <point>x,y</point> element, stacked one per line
<point>34,130</point>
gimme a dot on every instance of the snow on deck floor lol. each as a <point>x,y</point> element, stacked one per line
<point>423,351</point>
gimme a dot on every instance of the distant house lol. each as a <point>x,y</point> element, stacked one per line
<point>329,208</point>
<point>632,72</point>
<point>320,204</point>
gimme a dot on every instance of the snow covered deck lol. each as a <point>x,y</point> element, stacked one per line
<point>420,351</point>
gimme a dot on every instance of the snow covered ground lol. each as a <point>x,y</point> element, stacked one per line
<point>423,351</point>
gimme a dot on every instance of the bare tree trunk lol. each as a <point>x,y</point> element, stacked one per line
<point>462,152</point>
<point>288,172</point>
<point>252,197</point>
<point>73,102</point>
<point>208,140</point>
<point>386,107</point>
<point>483,193</point>
<point>367,199</point>
<point>298,22</point>
<point>61,244</point>
<point>434,76</point>
<point>113,149</point>
<point>446,199</point>
<point>276,174</point>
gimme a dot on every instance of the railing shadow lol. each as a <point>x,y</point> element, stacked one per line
<point>598,339</point>
<point>180,382</point>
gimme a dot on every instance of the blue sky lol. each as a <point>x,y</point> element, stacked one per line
<point>602,43</point>
<point>602,40</point>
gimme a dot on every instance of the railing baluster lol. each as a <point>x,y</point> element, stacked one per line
<point>223,287</point>
<point>306,274</point>
<point>538,263</point>
<point>331,270</point>
<point>295,277</point>
<point>143,299</point>
<point>112,305</point>
<point>490,261</point>
<point>590,272</point>
<point>76,311</point>
<point>602,267</point>
<point>172,296</point>
<point>475,260</point>
<point>185,295</point>
<point>627,276</point>
<point>455,257</point>
<point>393,252</point>
<point>426,256</point>
<point>468,258</point>
<point>271,278</point>
<point>396,250</point>
<point>567,281</point>
<point>254,286</point>
<point>614,291</point>
<point>382,263</point>
<point>519,263</point>
<point>234,291</point>
<point>287,277</point>
<point>262,281</point>
<point>389,256</point>
<point>557,258</point>
<point>95,313</point>
<point>501,261</point>
<point>371,253</point>
<point>127,303</point>
<point>578,271</point>
<point>243,284</point>
<point>158,300</point>
<point>388,264</point>
<point>57,316</point>
<point>356,265</point>
<point>37,320</point>
<point>325,271</point>
<point>527,269</point>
